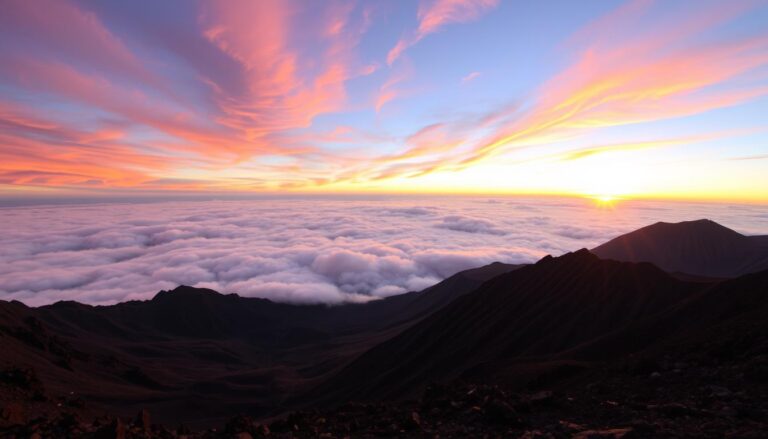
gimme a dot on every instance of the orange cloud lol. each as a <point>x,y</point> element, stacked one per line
<point>41,152</point>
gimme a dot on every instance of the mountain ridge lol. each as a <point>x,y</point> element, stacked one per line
<point>700,248</point>
<point>183,343</point>
<point>512,315</point>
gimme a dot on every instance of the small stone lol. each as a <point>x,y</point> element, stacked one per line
<point>572,426</point>
<point>614,433</point>
<point>535,434</point>
<point>674,409</point>
<point>413,421</point>
<point>727,412</point>
<point>720,392</point>
<point>542,397</point>
<point>499,412</point>
<point>143,420</point>
<point>115,430</point>
<point>13,414</point>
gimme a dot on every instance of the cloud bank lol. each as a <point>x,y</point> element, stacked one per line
<point>330,250</point>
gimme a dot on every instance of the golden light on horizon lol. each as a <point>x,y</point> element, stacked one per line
<point>605,201</point>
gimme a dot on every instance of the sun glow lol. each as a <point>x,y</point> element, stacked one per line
<point>604,201</point>
<point>605,198</point>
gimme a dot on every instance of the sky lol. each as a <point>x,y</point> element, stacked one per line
<point>307,249</point>
<point>623,99</point>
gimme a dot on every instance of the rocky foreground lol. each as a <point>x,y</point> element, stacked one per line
<point>721,391</point>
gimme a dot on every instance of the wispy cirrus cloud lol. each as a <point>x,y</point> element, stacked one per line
<point>434,14</point>
<point>626,73</point>
<point>280,93</point>
<point>273,95</point>
<point>213,120</point>
<point>470,77</point>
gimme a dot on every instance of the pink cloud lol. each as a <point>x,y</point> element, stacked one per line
<point>470,77</point>
<point>280,93</point>
<point>273,86</point>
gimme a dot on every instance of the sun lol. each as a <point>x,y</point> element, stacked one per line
<point>605,198</point>
<point>604,201</point>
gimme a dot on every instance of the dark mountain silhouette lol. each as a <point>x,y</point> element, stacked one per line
<point>702,248</point>
<point>195,355</point>
<point>531,314</point>
<point>202,313</point>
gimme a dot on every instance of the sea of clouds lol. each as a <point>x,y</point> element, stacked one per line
<point>304,250</point>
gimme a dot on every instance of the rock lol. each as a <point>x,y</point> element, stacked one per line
<point>115,430</point>
<point>757,369</point>
<point>727,412</point>
<point>673,409</point>
<point>535,434</point>
<point>614,433</point>
<point>13,413</point>
<point>415,420</point>
<point>19,377</point>
<point>719,392</point>
<point>239,424</point>
<point>262,430</point>
<point>68,422</point>
<point>143,420</point>
<point>642,428</point>
<point>543,397</point>
<point>499,412</point>
<point>572,426</point>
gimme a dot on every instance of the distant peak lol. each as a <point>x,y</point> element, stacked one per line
<point>699,226</point>
<point>704,222</point>
<point>186,291</point>
<point>578,255</point>
<point>69,304</point>
<point>581,255</point>
<point>697,247</point>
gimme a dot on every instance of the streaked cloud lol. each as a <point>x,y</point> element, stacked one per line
<point>470,77</point>
<point>312,96</point>
<point>434,14</point>
<point>636,74</point>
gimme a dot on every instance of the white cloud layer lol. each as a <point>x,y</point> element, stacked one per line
<point>323,250</point>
